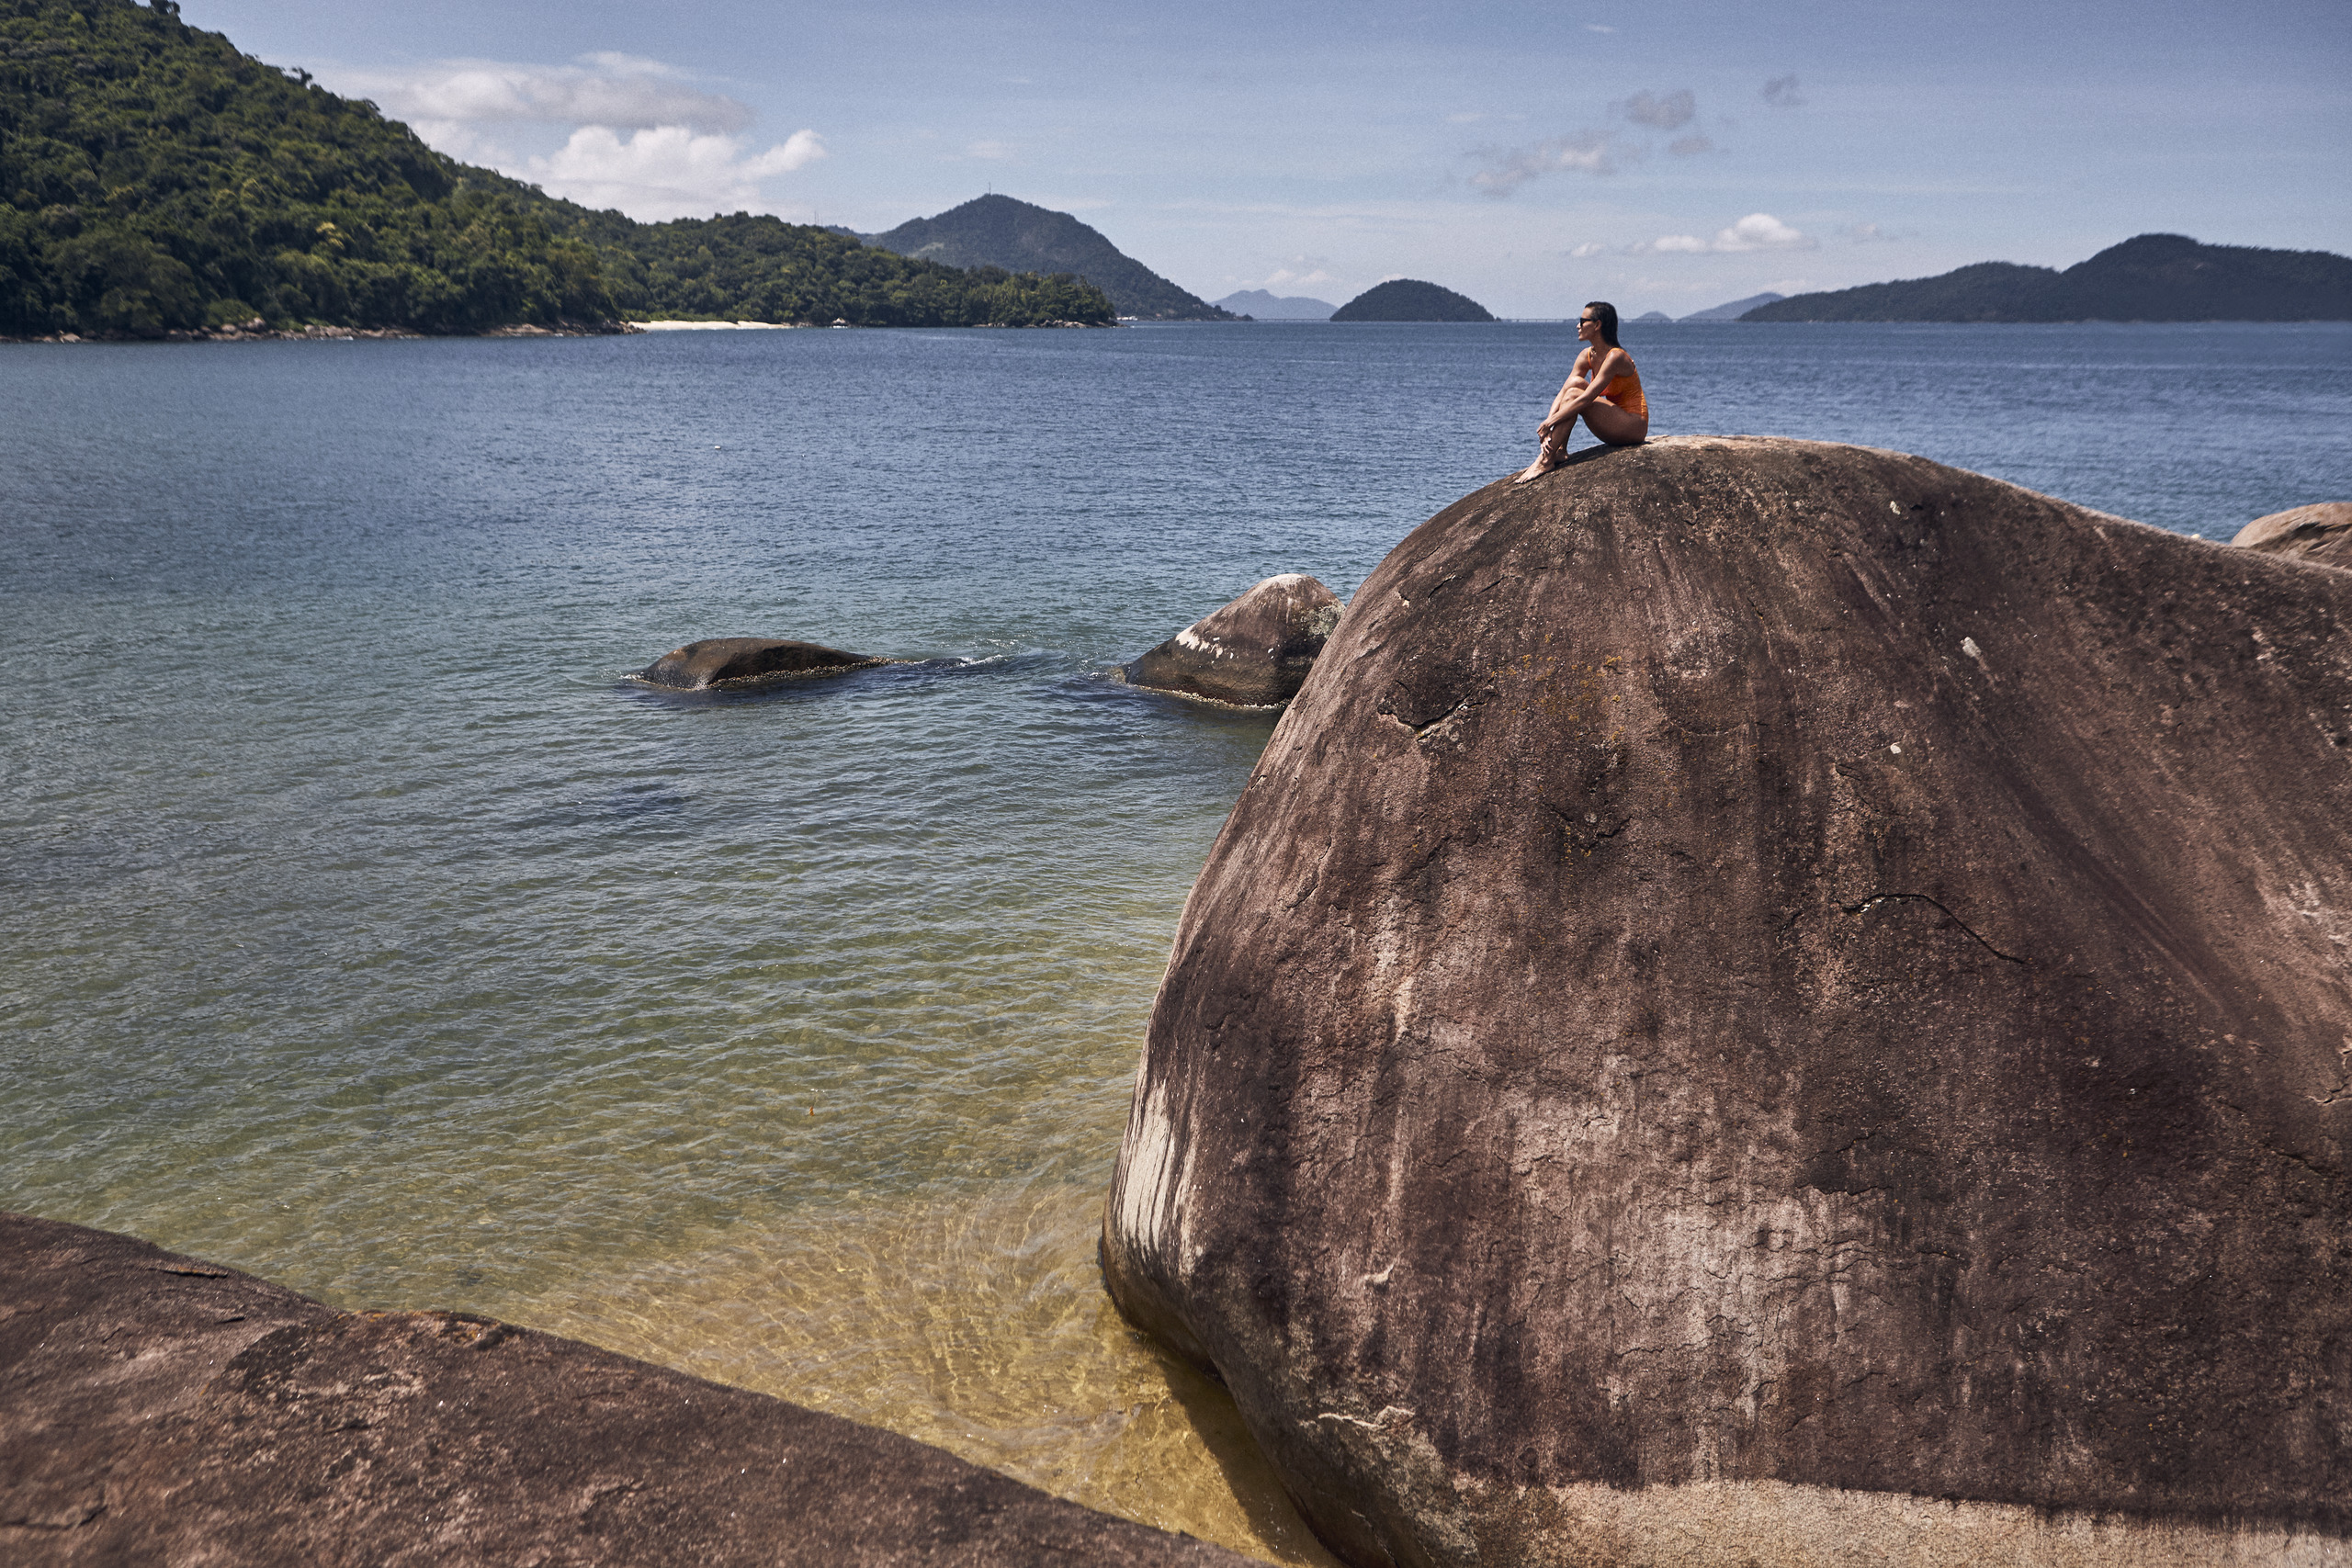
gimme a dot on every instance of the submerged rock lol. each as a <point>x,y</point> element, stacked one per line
<point>1255,652</point>
<point>155,1408</point>
<point>2322,532</point>
<point>1763,985</point>
<point>747,660</point>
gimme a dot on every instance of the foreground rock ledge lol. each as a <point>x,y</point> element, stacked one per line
<point>154,1408</point>
<point>1779,1003</point>
<point>1254,652</point>
<point>733,663</point>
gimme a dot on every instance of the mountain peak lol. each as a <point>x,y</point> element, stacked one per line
<point>1020,236</point>
<point>2149,278</point>
<point>1265,305</point>
<point>1410,300</point>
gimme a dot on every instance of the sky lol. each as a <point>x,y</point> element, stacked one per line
<point>1669,156</point>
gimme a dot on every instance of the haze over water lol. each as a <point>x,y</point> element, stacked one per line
<point>364,929</point>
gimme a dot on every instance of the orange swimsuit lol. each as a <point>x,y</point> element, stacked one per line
<point>1626,391</point>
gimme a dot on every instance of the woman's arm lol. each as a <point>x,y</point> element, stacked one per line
<point>1569,388</point>
<point>1582,390</point>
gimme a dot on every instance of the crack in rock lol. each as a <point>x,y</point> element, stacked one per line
<point>1877,898</point>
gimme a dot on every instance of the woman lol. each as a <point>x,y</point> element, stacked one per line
<point>1603,387</point>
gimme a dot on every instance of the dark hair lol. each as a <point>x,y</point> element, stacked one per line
<point>1606,314</point>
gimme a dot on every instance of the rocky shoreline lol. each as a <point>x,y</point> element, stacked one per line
<point>155,1408</point>
<point>261,332</point>
<point>258,331</point>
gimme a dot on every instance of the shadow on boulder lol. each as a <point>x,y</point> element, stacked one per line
<point>1254,652</point>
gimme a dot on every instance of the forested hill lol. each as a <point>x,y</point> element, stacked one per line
<point>997,231</point>
<point>2154,277</point>
<point>1410,300</point>
<point>153,177</point>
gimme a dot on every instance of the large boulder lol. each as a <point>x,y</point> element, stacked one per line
<point>1760,985</point>
<point>1254,652</point>
<point>155,1408</point>
<point>2320,531</point>
<point>738,661</point>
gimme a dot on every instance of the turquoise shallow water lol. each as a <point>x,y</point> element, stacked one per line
<point>362,927</point>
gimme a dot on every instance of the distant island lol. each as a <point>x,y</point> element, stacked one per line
<point>1263,305</point>
<point>998,231</point>
<point>1410,300</point>
<point>1736,310</point>
<point>2154,277</point>
<point>176,186</point>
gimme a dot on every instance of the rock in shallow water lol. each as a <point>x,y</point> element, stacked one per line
<point>154,1408</point>
<point>735,661</point>
<point>1761,982</point>
<point>2320,531</point>
<point>1254,652</point>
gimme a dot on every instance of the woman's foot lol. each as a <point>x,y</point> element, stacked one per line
<point>1536,469</point>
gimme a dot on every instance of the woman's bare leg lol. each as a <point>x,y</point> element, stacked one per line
<point>1548,454</point>
<point>1614,424</point>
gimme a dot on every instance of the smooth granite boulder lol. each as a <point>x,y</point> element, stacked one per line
<point>1778,1003</point>
<point>1254,652</point>
<point>158,1409</point>
<point>2322,532</point>
<point>738,661</point>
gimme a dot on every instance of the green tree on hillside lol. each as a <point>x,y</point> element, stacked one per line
<point>153,177</point>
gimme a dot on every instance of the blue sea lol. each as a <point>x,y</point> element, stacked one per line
<point>360,926</point>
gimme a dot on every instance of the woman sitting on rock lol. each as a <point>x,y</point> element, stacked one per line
<point>1603,387</point>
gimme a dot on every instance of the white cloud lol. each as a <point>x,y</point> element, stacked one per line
<point>1757,231</point>
<point>643,136</point>
<point>988,149</point>
<point>1588,152</point>
<point>1590,248</point>
<point>617,90</point>
<point>1781,93</point>
<point>667,171</point>
<point>1683,146</point>
<point>1302,272</point>
<point>1662,112</point>
<point>1599,28</point>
